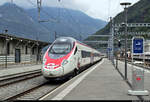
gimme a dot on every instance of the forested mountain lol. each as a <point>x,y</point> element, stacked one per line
<point>19,23</point>
<point>138,13</point>
<point>67,22</point>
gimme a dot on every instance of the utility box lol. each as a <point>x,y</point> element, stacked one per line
<point>137,79</point>
<point>138,83</point>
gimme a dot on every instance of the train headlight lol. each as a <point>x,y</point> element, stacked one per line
<point>64,62</point>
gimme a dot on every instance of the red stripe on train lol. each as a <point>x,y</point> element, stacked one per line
<point>58,61</point>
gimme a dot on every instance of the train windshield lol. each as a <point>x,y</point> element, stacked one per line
<point>60,48</point>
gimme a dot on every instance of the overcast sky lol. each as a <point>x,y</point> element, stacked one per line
<point>101,9</point>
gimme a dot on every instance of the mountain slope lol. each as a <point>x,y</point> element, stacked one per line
<point>20,24</point>
<point>70,22</point>
<point>24,23</point>
<point>138,13</point>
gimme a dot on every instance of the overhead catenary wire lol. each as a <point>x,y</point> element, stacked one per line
<point>47,14</point>
<point>110,10</point>
<point>43,11</point>
<point>35,6</point>
<point>109,7</point>
<point>117,5</point>
<point>58,21</point>
<point>12,1</point>
<point>74,21</point>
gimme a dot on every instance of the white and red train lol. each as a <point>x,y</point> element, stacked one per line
<point>67,56</point>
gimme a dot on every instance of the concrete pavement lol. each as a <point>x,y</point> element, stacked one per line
<point>100,82</point>
<point>13,71</point>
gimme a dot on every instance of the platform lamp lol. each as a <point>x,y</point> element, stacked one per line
<point>116,31</point>
<point>6,48</point>
<point>125,5</point>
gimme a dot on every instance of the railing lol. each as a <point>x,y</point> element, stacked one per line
<point>10,59</point>
<point>24,59</point>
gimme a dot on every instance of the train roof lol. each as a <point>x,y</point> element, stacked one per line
<point>70,39</point>
<point>66,38</point>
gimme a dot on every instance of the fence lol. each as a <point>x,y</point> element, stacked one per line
<point>24,59</point>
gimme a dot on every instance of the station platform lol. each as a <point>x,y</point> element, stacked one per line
<point>17,70</point>
<point>100,82</point>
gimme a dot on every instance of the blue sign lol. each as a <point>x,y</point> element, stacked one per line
<point>109,49</point>
<point>138,45</point>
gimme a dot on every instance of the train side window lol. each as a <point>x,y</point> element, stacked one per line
<point>82,54</point>
<point>85,54</point>
<point>75,50</point>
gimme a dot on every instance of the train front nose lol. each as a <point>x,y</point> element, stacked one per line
<point>52,71</point>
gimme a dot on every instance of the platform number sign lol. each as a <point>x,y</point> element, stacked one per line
<point>138,45</point>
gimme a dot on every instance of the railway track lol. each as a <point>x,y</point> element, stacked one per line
<point>14,80</point>
<point>35,93</point>
<point>11,79</point>
<point>8,81</point>
<point>31,91</point>
<point>18,88</point>
<point>145,66</point>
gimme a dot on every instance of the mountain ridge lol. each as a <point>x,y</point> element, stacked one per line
<point>23,23</point>
<point>137,13</point>
<point>70,19</point>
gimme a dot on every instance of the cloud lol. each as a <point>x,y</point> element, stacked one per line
<point>101,9</point>
<point>73,4</point>
<point>1,15</point>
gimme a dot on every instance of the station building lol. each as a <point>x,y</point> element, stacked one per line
<point>20,50</point>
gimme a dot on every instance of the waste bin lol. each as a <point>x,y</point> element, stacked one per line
<point>137,79</point>
<point>138,83</point>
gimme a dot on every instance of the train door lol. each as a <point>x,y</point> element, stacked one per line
<point>92,58</point>
<point>77,58</point>
<point>17,55</point>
